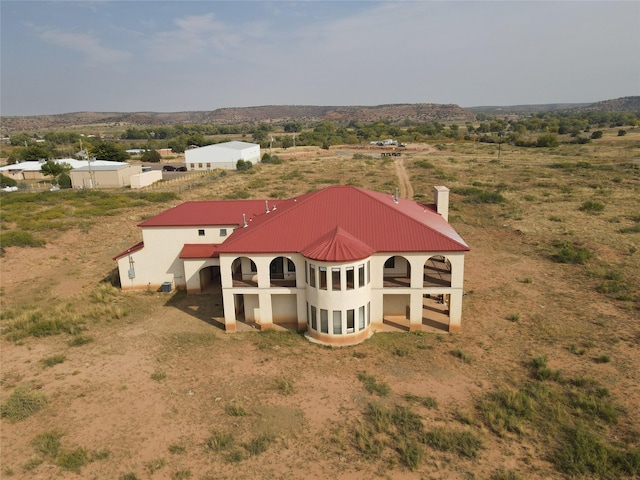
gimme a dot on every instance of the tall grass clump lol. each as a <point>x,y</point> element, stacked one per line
<point>462,442</point>
<point>38,322</point>
<point>219,441</point>
<point>372,385</point>
<point>475,195</point>
<point>22,403</point>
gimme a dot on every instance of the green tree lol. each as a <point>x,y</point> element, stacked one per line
<point>243,165</point>
<point>7,181</point>
<point>64,180</point>
<point>55,170</point>
<point>108,151</point>
<point>151,156</point>
<point>549,140</point>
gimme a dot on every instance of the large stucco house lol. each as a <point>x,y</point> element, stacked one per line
<point>340,263</point>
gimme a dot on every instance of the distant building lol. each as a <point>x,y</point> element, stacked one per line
<point>221,155</point>
<point>104,174</point>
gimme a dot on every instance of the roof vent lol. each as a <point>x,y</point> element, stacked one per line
<point>266,206</point>
<point>395,197</point>
<point>244,221</point>
<point>273,208</point>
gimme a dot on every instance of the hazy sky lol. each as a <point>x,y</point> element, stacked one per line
<point>165,56</point>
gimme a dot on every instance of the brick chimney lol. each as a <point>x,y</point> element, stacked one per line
<point>441,199</point>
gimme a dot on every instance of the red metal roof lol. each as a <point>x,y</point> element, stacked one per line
<point>371,219</point>
<point>337,246</point>
<point>199,250</point>
<point>206,213</point>
<point>135,248</point>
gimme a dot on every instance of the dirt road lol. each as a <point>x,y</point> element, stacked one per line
<point>406,190</point>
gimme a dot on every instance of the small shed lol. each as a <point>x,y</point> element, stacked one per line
<point>113,175</point>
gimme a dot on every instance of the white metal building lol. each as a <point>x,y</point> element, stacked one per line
<point>221,155</point>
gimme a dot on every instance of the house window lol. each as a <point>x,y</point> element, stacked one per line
<point>368,313</point>
<point>223,232</point>
<point>199,165</point>
<point>201,232</point>
<point>335,278</point>
<point>361,275</point>
<point>312,276</point>
<point>314,318</point>
<point>306,273</point>
<point>337,322</point>
<point>308,315</point>
<point>253,267</point>
<point>368,272</point>
<point>390,263</point>
<point>361,318</point>
<point>350,278</point>
<point>323,278</point>
<point>350,321</point>
<point>209,166</point>
<point>324,320</point>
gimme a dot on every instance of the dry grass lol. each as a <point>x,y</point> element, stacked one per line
<point>568,412</point>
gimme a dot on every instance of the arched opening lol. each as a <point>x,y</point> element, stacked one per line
<point>282,272</point>
<point>437,272</point>
<point>244,272</point>
<point>210,279</point>
<point>397,272</point>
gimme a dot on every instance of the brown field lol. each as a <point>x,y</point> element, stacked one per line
<point>157,390</point>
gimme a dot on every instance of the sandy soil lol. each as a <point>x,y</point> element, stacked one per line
<point>103,396</point>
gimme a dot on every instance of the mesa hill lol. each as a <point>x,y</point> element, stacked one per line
<point>420,112</point>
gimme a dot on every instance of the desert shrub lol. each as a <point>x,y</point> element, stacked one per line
<point>73,460</point>
<point>571,253</point>
<point>53,360</point>
<point>79,340</point>
<point>372,385</point>
<point>506,411</point>
<point>19,238</point>
<point>47,443</point>
<point>285,386</point>
<point>591,206</point>
<point>465,357</point>
<point>158,376</point>
<point>235,409</point>
<point>583,453</point>
<point>513,317</point>
<point>259,445</point>
<point>219,441</point>
<point>22,403</point>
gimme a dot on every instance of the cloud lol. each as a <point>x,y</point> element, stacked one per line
<point>196,36</point>
<point>85,43</point>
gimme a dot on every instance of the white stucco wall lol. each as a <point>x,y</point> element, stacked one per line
<point>145,179</point>
<point>159,261</point>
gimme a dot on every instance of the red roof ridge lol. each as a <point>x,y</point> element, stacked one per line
<point>337,245</point>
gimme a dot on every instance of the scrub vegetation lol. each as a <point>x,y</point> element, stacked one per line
<point>542,382</point>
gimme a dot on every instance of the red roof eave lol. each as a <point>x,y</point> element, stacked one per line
<point>199,250</point>
<point>135,248</point>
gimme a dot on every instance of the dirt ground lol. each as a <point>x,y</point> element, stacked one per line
<point>153,386</point>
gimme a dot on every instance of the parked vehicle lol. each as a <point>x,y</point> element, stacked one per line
<point>168,168</point>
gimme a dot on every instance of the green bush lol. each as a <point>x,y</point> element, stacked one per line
<point>571,253</point>
<point>19,238</point>
<point>464,443</point>
<point>475,195</point>
<point>7,181</point>
<point>592,207</point>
